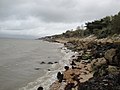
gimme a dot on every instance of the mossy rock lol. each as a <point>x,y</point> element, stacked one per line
<point>86,56</point>
<point>98,63</point>
<point>112,69</point>
<point>109,54</point>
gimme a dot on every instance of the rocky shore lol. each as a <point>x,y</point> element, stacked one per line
<point>96,66</point>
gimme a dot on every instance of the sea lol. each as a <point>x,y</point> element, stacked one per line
<point>20,63</point>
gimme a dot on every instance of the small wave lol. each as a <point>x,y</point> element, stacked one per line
<point>50,76</point>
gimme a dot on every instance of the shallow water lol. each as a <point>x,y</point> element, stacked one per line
<point>19,58</point>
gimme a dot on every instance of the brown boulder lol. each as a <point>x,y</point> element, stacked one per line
<point>96,63</point>
<point>112,69</point>
<point>109,54</point>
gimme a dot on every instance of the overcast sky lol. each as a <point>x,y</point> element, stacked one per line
<point>47,17</point>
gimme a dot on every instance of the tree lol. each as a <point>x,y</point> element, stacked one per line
<point>116,24</point>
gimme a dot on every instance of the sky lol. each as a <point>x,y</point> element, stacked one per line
<point>48,17</point>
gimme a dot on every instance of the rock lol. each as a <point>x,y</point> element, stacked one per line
<point>40,88</point>
<point>73,56</point>
<point>49,70</point>
<point>59,76</point>
<point>113,56</point>
<point>112,69</point>
<point>74,67</point>
<point>66,68</point>
<point>50,63</point>
<point>107,82</point>
<point>96,63</point>
<point>42,62</point>
<point>76,78</point>
<point>109,54</point>
<point>86,56</point>
<point>79,58</point>
<point>69,86</point>
<point>37,68</point>
<point>73,63</point>
<point>56,62</point>
<point>100,72</point>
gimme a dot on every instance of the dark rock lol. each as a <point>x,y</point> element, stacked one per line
<point>79,58</point>
<point>76,78</point>
<point>87,69</point>
<point>85,72</point>
<point>59,76</point>
<point>79,68</point>
<point>72,74</point>
<point>66,68</point>
<point>49,70</point>
<point>81,78</point>
<point>98,51</point>
<point>101,71</point>
<point>107,82</point>
<point>69,86</point>
<point>73,56</point>
<point>74,67</point>
<point>40,88</point>
<point>42,62</point>
<point>73,63</point>
<point>37,68</point>
<point>50,63</point>
<point>56,62</point>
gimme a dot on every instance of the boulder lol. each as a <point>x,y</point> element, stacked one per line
<point>107,82</point>
<point>55,62</point>
<point>113,56</point>
<point>100,71</point>
<point>96,63</point>
<point>40,88</point>
<point>112,69</point>
<point>48,69</point>
<point>37,68</point>
<point>50,63</point>
<point>42,62</point>
<point>59,76</point>
<point>109,55</point>
<point>73,63</point>
<point>66,68</point>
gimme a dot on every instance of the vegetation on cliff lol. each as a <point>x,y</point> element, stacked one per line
<point>102,28</point>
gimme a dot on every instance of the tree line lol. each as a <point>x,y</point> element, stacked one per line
<point>109,25</point>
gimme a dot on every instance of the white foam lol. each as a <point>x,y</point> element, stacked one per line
<point>50,76</point>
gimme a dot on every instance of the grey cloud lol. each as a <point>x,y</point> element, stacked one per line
<point>58,10</point>
<point>49,16</point>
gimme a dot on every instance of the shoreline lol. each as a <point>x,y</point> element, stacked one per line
<point>85,75</point>
<point>87,64</point>
<point>50,76</point>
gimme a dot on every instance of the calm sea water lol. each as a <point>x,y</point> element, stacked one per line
<point>19,58</point>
